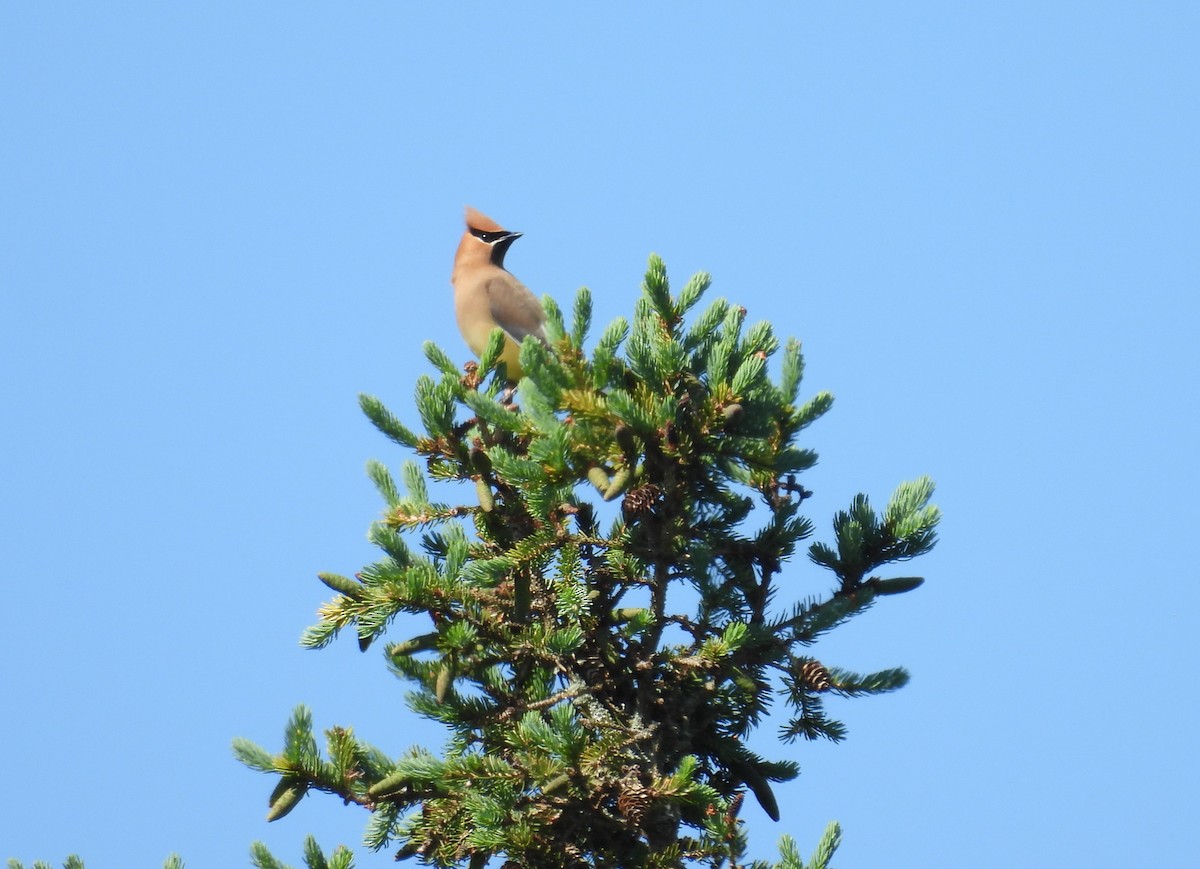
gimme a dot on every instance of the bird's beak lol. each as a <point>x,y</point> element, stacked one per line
<point>515,234</point>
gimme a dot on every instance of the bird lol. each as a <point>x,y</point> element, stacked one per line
<point>486,295</point>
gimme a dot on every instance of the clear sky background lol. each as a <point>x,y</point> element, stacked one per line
<point>219,222</point>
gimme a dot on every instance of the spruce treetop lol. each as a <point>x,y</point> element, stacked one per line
<point>612,603</point>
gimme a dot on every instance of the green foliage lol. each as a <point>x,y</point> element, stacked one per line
<point>314,857</point>
<point>821,856</point>
<point>594,719</point>
<point>73,862</point>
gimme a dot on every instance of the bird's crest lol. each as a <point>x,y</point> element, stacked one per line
<point>480,221</point>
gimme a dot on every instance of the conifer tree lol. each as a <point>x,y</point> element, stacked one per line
<point>601,618</point>
<point>73,862</point>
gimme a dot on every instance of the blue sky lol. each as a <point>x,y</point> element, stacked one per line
<point>220,222</point>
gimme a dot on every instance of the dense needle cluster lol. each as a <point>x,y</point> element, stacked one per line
<point>598,629</point>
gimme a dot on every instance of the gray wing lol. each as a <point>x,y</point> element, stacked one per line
<point>515,309</point>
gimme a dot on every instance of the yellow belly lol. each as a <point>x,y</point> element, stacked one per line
<point>477,335</point>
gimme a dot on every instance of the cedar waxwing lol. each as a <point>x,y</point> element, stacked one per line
<point>487,296</point>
